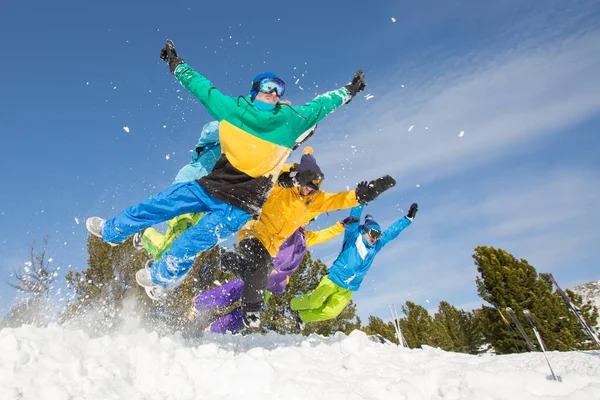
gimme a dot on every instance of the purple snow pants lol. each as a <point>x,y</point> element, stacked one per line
<point>222,296</point>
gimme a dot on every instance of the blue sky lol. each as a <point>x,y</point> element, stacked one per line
<point>520,80</point>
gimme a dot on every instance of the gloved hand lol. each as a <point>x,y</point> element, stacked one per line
<point>169,55</point>
<point>305,177</point>
<point>414,207</point>
<point>357,83</point>
<point>349,220</point>
<point>366,192</point>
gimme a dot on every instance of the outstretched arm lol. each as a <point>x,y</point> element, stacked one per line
<point>338,201</point>
<point>217,104</point>
<point>314,238</point>
<point>320,106</point>
<point>356,212</point>
<point>394,230</point>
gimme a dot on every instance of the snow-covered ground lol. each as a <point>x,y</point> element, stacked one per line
<point>60,363</point>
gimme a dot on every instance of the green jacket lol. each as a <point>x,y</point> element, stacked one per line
<point>255,143</point>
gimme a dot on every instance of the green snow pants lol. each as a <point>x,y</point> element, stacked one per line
<point>327,301</point>
<point>156,243</point>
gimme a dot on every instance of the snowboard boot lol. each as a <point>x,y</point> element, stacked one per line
<point>251,319</point>
<point>95,225</point>
<point>251,315</point>
<point>293,316</point>
<point>144,279</point>
<point>137,240</point>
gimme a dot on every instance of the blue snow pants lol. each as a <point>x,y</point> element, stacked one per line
<point>219,221</point>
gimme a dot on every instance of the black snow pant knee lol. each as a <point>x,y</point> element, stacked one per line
<point>252,266</point>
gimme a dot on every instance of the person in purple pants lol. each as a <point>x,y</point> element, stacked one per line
<point>285,263</point>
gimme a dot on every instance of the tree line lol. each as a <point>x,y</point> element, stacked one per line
<point>105,297</point>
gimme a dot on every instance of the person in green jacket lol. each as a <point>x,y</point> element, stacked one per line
<point>257,134</point>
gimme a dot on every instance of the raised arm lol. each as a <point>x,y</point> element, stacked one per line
<point>217,104</point>
<point>317,237</point>
<point>394,230</point>
<point>355,213</point>
<point>317,109</point>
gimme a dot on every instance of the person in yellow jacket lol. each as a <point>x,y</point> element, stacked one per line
<point>295,199</point>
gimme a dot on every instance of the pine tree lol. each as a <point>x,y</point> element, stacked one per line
<point>376,326</point>
<point>418,327</point>
<point>462,328</point>
<point>101,290</point>
<point>504,282</point>
<point>103,287</point>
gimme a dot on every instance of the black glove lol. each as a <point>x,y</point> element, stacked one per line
<point>305,177</point>
<point>357,84</point>
<point>169,55</point>
<point>366,192</point>
<point>414,207</point>
<point>349,220</point>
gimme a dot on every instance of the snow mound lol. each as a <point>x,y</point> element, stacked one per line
<point>59,363</point>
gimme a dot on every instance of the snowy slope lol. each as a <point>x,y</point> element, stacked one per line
<point>57,363</point>
<point>590,292</point>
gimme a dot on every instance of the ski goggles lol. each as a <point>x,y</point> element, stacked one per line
<point>374,233</point>
<point>270,85</point>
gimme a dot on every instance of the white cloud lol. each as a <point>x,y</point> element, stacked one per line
<point>503,104</point>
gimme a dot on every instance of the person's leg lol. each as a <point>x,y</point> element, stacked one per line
<point>333,307</point>
<point>233,263</point>
<point>256,275</point>
<point>153,241</point>
<point>221,296</point>
<point>223,221</point>
<point>230,322</point>
<point>177,199</point>
<point>316,298</point>
<point>156,243</point>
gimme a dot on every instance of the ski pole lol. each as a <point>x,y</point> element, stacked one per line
<point>512,331</point>
<point>513,316</point>
<point>539,339</point>
<point>589,330</point>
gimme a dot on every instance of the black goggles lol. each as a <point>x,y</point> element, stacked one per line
<point>374,233</point>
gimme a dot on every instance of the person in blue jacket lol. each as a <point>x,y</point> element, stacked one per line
<point>361,244</point>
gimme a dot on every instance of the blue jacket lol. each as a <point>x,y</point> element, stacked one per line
<point>356,257</point>
<point>205,155</point>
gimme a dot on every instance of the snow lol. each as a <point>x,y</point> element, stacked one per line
<point>461,134</point>
<point>77,220</point>
<point>410,128</point>
<point>126,129</point>
<point>393,19</point>
<point>62,363</point>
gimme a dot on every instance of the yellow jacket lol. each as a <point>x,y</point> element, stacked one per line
<point>286,210</point>
<point>317,237</point>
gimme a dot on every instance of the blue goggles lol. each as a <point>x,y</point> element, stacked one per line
<point>270,85</point>
<point>374,233</point>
